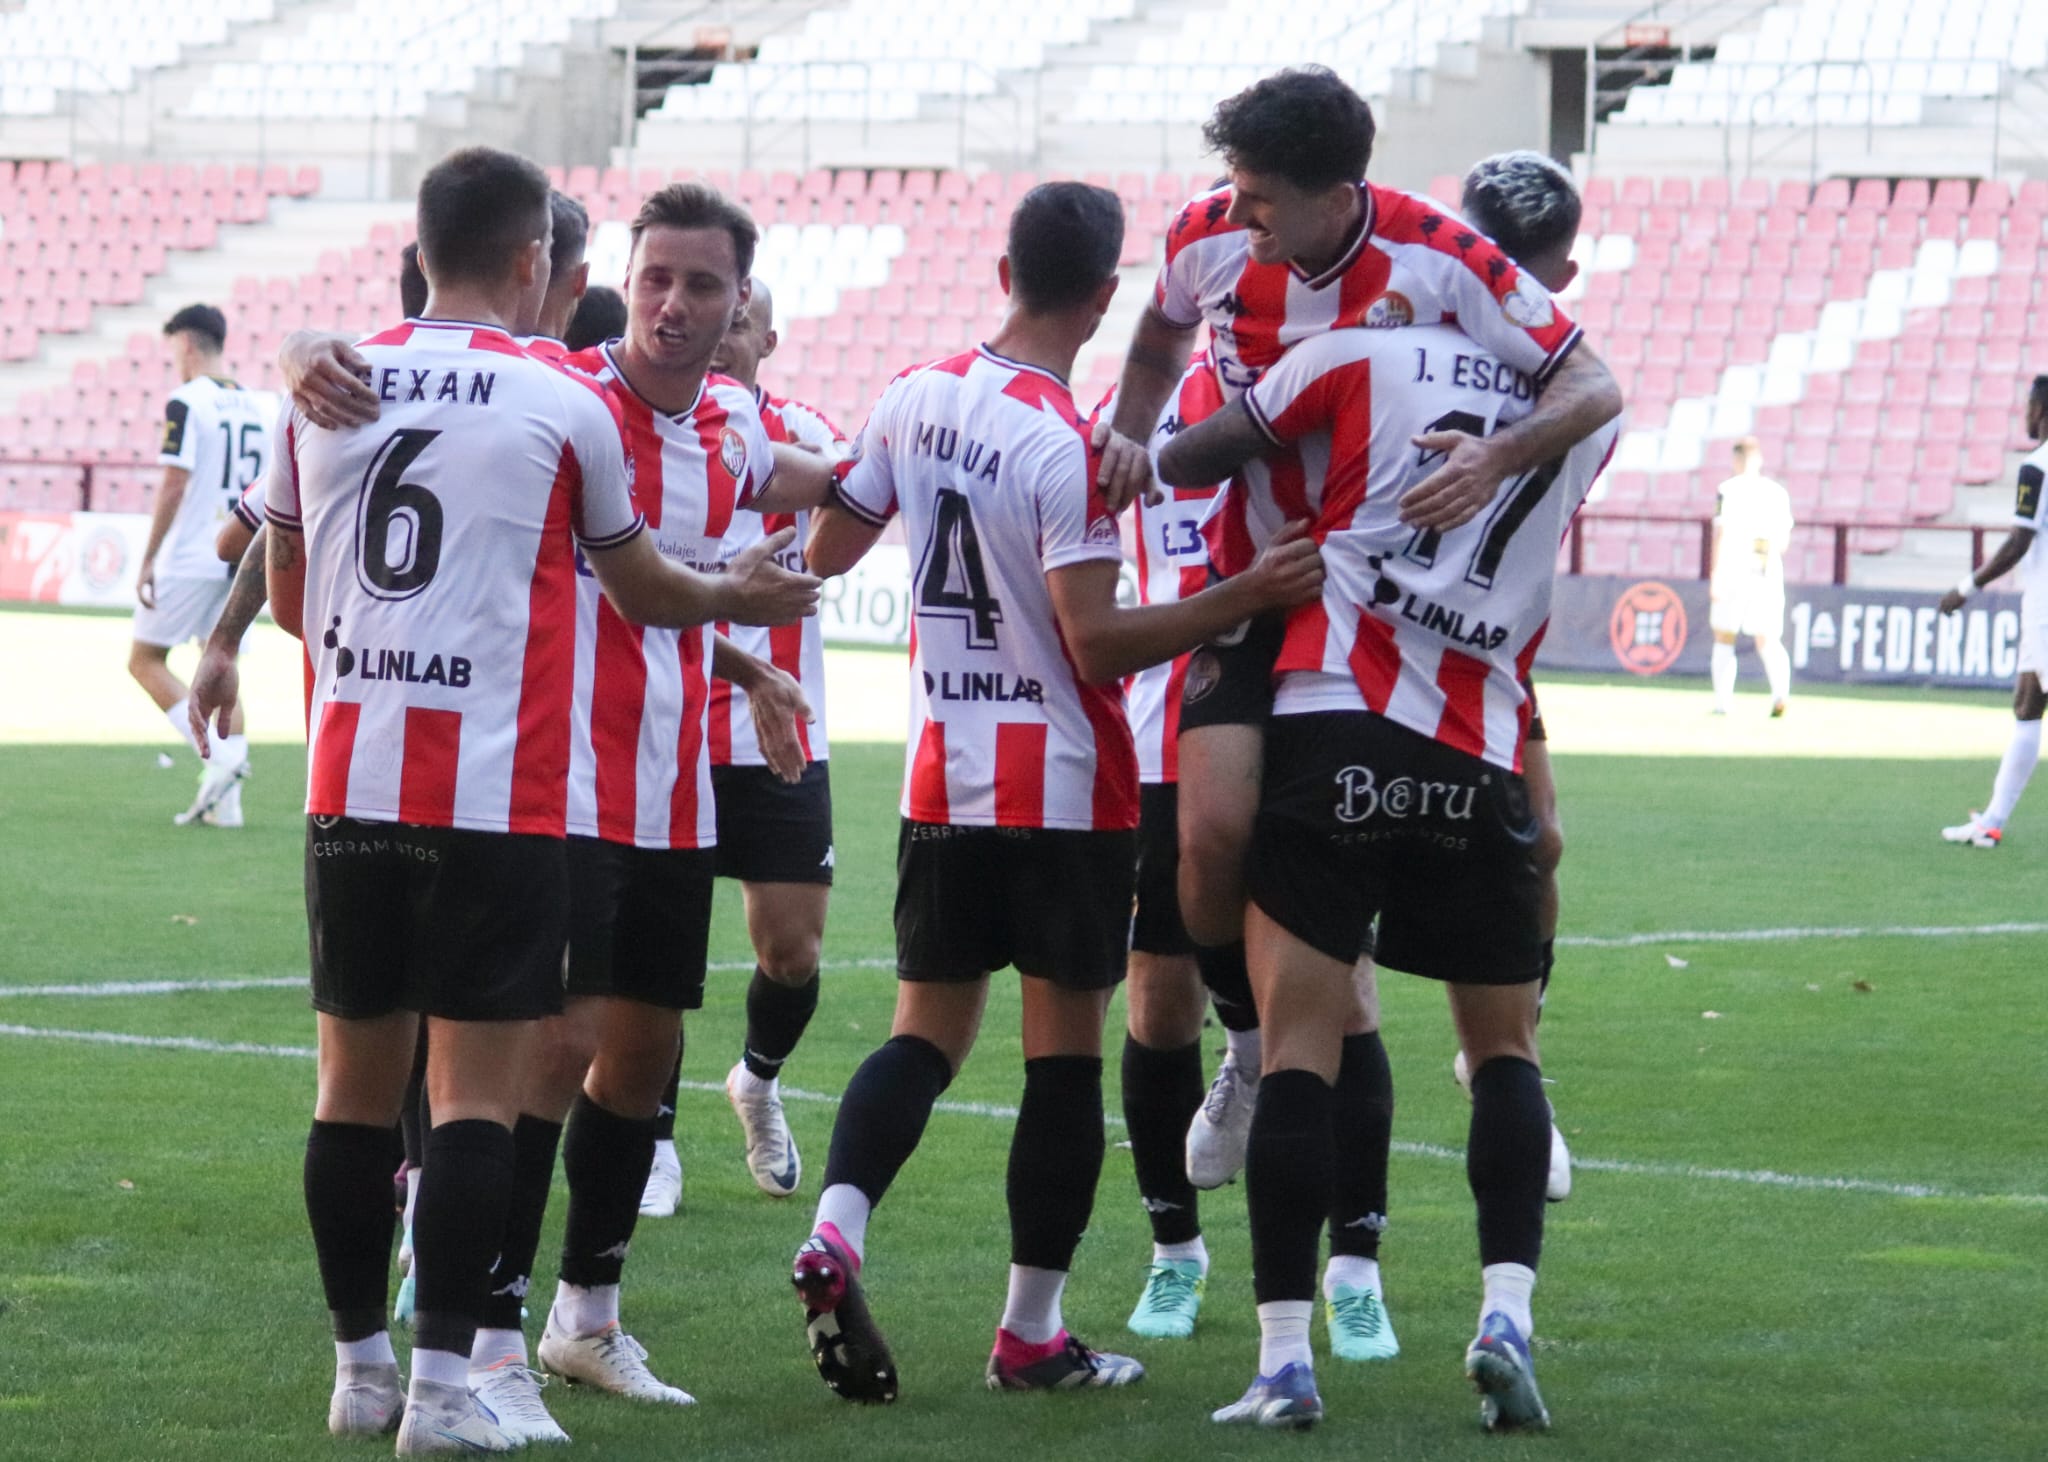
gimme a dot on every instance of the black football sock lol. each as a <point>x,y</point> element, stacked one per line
<point>1287,1183</point>
<point>665,1114</point>
<point>458,1227</point>
<point>1162,1092</point>
<point>348,1201</point>
<point>882,1116</point>
<point>776,1017</point>
<point>1507,1159</point>
<point>1361,1132</point>
<point>1055,1159</point>
<point>534,1143</point>
<point>1230,984</point>
<point>412,1117</point>
<point>605,1158</point>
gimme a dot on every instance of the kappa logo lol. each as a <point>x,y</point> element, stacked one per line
<point>1529,305</point>
<point>1160,1205</point>
<point>732,452</point>
<point>1647,628</point>
<point>826,861</point>
<point>1360,795</point>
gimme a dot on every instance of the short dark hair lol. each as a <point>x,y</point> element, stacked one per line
<point>478,207</point>
<point>600,316</point>
<point>412,282</point>
<point>1525,202</point>
<point>699,205</point>
<point>1303,124</point>
<point>572,232</point>
<point>1065,240</point>
<point>2039,390</point>
<point>204,321</point>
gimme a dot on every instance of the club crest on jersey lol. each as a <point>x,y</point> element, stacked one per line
<point>1205,673</point>
<point>1390,311</point>
<point>732,452</point>
<point>1102,531</point>
<point>1529,305</point>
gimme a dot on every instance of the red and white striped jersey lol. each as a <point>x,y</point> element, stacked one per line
<point>992,472</point>
<point>441,579</point>
<point>1411,263</point>
<point>1172,560</point>
<point>545,347</point>
<point>795,649</point>
<point>1435,631</point>
<point>248,508</point>
<point>640,763</point>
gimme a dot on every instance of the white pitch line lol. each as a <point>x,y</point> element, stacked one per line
<point>1749,1177</point>
<point>1774,936</point>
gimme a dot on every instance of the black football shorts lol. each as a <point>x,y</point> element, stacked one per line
<point>772,831</point>
<point>639,922</point>
<point>1230,679</point>
<point>1054,902</point>
<point>450,922</point>
<point>1364,819</point>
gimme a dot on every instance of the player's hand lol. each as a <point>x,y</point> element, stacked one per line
<point>762,591</point>
<point>1125,470</point>
<point>1951,602</point>
<point>216,686</point>
<point>327,380</point>
<point>145,584</point>
<point>1454,493</point>
<point>776,701</point>
<point>1289,570</point>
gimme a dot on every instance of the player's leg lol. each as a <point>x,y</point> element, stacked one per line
<point>1721,670</point>
<point>949,935</point>
<point>490,911</point>
<point>786,922</point>
<point>1162,1073</point>
<point>1770,648</point>
<point>665,1177</point>
<point>185,610</point>
<point>1507,1158</point>
<point>654,972</point>
<point>1986,829</point>
<point>1070,967</point>
<point>413,1122</point>
<point>1361,1139</point>
<point>365,1043</point>
<point>1219,768</point>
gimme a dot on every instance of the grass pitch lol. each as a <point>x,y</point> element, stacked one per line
<point>1807,1218</point>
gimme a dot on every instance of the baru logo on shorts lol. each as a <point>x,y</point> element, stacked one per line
<point>732,452</point>
<point>1390,311</point>
<point>1205,672</point>
<point>1360,795</point>
<point>1647,628</point>
<point>1529,305</point>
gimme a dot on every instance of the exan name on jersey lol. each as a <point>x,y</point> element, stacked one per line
<point>982,685</point>
<point>399,384</point>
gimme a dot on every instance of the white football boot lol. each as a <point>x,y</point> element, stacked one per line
<point>368,1399</point>
<point>664,1189</point>
<point>771,1150</point>
<point>222,770</point>
<point>442,1418</point>
<point>511,1391</point>
<point>610,1360</point>
<point>1974,833</point>
<point>1222,1129</point>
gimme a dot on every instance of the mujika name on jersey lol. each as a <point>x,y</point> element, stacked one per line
<point>945,444</point>
<point>402,383</point>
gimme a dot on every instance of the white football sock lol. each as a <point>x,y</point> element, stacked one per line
<point>1508,1287</point>
<point>235,748</point>
<point>1777,669</point>
<point>1194,1249</point>
<point>846,1208</point>
<point>2013,770</point>
<point>1349,1271</point>
<point>442,1367</point>
<point>1283,1335</point>
<point>374,1351</point>
<point>665,1147</point>
<point>1247,1047</point>
<point>753,1085</point>
<point>581,1311</point>
<point>1032,1312</point>
<point>1721,663</point>
<point>493,1346</point>
<point>180,717</point>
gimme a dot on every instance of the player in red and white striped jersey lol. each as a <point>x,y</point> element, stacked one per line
<point>1404,687</point>
<point>435,555</point>
<point>774,828</point>
<point>568,277</point>
<point>1021,786</point>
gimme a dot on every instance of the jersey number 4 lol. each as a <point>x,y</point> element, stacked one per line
<point>398,523</point>
<point>952,583</point>
<point>1510,511</point>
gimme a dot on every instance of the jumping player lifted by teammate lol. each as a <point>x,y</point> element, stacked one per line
<point>2025,549</point>
<point>1020,788</point>
<point>1391,790</point>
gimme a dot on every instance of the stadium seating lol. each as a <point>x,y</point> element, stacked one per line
<point>384,58</point>
<point>51,47</point>
<point>1870,337</point>
<point>1877,63</point>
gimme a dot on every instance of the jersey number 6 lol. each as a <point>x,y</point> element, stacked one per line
<point>398,523</point>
